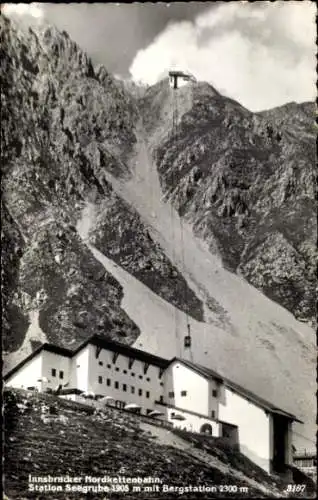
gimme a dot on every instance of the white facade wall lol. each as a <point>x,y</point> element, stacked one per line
<point>191,422</point>
<point>61,365</point>
<point>79,370</point>
<point>127,378</point>
<point>178,378</point>
<point>253,426</point>
<point>213,400</point>
<point>28,375</point>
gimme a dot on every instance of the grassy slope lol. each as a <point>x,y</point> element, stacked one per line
<point>48,436</point>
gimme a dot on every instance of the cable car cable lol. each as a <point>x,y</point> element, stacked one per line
<point>175,75</point>
<point>173,133</point>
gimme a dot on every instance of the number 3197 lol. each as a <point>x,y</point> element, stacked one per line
<point>295,488</point>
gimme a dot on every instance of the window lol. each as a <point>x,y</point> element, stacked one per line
<point>183,393</point>
<point>161,399</point>
<point>53,372</point>
<point>117,369</point>
<point>124,387</point>
<point>61,374</point>
<point>109,366</point>
<point>147,394</point>
<point>116,385</point>
<point>100,363</point>
<point>171,394</point>
<point>215,393</point>
<point>161,383</point>
<point>108,382</point>
<point>132,374</point>
<point>213,414</point>
<point>148,379</point>
<point>139,392</point>
<point>173,414</point>
<point>125,371</point>
<point>140,376</point>
<point>132,390</point>
<point>100,380</point>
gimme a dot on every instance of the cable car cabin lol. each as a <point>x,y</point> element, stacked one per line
<point>187,341</point>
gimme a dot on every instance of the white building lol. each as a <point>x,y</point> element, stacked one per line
<point>189,396</point>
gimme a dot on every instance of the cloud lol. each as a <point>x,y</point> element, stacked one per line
<point>261,54</point>
<point>26,12</point>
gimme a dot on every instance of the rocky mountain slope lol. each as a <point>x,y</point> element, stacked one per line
<point>246,183</point>
<point>65,124</point>
<point>114,223</point>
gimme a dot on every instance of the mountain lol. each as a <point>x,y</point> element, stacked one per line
<point>116,222</point>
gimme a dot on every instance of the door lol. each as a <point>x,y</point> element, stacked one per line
<point>279,444</point>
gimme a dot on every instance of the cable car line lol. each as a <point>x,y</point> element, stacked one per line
<point>175,313</point>
<point>174,75</point>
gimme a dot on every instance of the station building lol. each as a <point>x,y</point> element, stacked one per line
<point>189,396</point>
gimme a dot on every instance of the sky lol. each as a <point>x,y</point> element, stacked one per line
<point>261,54</point>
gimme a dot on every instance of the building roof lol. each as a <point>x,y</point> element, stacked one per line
<point>202,370</point>
<point>98,341</point>
<point>177,73</point>
<point>300,455</point>
<point>126,350</point>
<point>44,347</point>
<point>262,403</point>
<point>251,396</point>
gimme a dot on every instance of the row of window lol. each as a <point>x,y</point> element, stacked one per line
<point>173,413</point>
<point>184,393</point>
<point>132,374</point>
<point>124,386</point>
<point>309,462</point>
<point>53,373</point>
<point>171,394</point>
